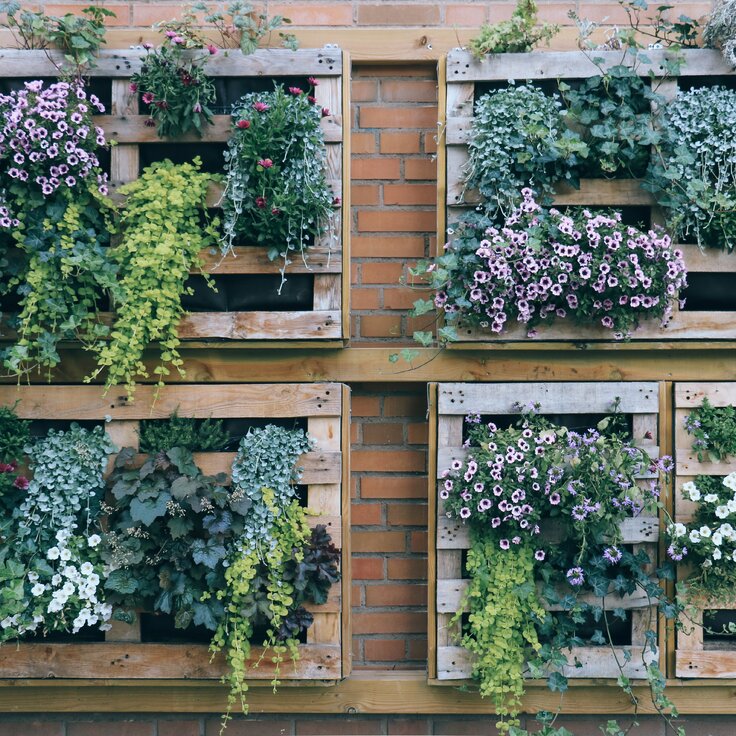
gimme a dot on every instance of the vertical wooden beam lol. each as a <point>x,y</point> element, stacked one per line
<point>347,577</point>
<point>432,534</point>
<point>125,157</point>
<point>441,156</point>
<point>346,194</point>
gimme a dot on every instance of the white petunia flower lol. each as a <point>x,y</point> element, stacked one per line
<point>53,553</point>
<point>694,536</point>
<point>38,589</point>
<point>678,530</point>
<point>62,536</point>
<point>87,568</point>
<point>55,606</point>
<point>717,539</point>
<point>56,580</point>
<point>704,531</point>
<point>94,540</point>
<point>716,554</point>
<point>65,554</point>
<point>730,481</point>
<point>692,491</point>
<point>32,577</point>
<point>710,498</point>
<point>731,505</point>
<point>722,512</point>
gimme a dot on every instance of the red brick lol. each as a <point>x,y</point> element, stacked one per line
<point>396,595</point>
<point>390,622</point>
<point>430,143</point>
<point>381,273</point>
<point>119,728</point>
<point>367,568</point>
<point>418,433</point>
<point>363,514</point>
<point>400,298</point>
<point>364,90</point>
<point>380,326</point>
<point>465,15</point>
<point>334,14</point>
<point>122,12</point>
<point>147,15</point>
<point>376,168</point>
<point>407,514</point>
<point>388,246</point>
<point>393,487</point>
<point>385,650</point>
<point>405,90</point>
<point>405,406</point>
<point>397,221</point>
<point>364,194</point>
<point>378,541</point>
<point>409,194</point>
<point>356,595</point>
<point>400,142</point>
<point>420,168</point>
<point>365,406</point>
<point>407,569</point>
<point>388,461</point>
<point>409,727</point>
<point>31,728</point>
<point>418,649</point>
<point>419,541</point>
<point>383,434</point>
<point>386,116</point>
<point>179,728</point>
<point>363,143</point>
<point>364,299</point>
<point>354,270</point>
<point>339,727</point>
<point>398,15</point>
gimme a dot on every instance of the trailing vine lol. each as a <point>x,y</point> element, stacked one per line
<point>163,229</point>
<point>714,431</point>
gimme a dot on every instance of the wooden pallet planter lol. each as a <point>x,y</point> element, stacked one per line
<point>463,72</point>
<point>450,663</point>
<point>326,323</point>
<point>696,657</point>
<point>326,655</point>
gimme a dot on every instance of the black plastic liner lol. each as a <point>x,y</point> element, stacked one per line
<point>715,292</point>
<point>715,628</point>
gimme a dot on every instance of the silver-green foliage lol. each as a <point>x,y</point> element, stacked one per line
<point>267,458</point>
<point>721,30</point>
<point>520,139</point>
<point>693,174</point>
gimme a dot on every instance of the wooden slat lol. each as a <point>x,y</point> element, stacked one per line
<point>691,395</point>
<point>462,67</point>
<point>124,63</point>
<point>705,664</point>
<point>322,325</point>
<point>255,401</point>
<point>253,259</point>
<point>154,661</point>
<point>709,261</point>
<point>450,594</point>
<point>453,534</point>
<point>124,159</point>
<point>554,398</point>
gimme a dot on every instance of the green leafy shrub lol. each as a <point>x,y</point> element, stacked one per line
<point>195,435</point>
<point>714,431</point>
<point>276,191</point>
<point>520,33</point>
<point>163,230</point>
<point>15,437</point>
<point>520,139</point>
<point>692,172</point>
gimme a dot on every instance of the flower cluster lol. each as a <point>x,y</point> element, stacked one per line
<point>709,539</point>
<point>543,265</point>
<point>47,138</point>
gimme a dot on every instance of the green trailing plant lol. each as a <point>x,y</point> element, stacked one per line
<point>713,430</point>
<point>693,171</point>
<point>15,436</point>
<point>79,37</point>
<point>50,563</point>
<point>276,191</point>
<point>522,32</point>
<point>720,31</point>
<point>520,139</point>
<point>173,83</point>
<point>241,26</point>
<point>545,505</point>
<point>195,435</point>
<point>164,227</point>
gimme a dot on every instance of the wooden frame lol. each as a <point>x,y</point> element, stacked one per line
<point>327,323</point>
<point>462,74</point>
<point>694,658</point>
<point>450,402</point>
<point>326,655</point>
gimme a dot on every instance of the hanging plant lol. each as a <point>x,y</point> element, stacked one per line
<point>720,31</point>
<point>276,191</point>
<point>164,227</point>
<point>692,171</point>
<point>50,561</point>
<point>54,205</point>
<point>545,265</point>
<point>545,506</point>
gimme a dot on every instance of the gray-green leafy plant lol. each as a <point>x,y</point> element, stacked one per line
<point>520,139</point>
<point>693,171</point>
<point>720,32</point>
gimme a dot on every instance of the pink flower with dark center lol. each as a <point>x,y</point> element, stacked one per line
<point>148,97</point>
<point>296,91</point>
<point>212,49</point>
<point>266,163</point>
<point>260,106</point>
<point>243,124</point>
<point>133,87</point>
<point>21,483</point>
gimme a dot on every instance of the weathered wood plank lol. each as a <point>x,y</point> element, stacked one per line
<point>118,63</point>
<point>453,534</point>
<point>124,159</point>
<point>450,594</point>
<point>257,401</point>
<point>253,259</point>
<point>133,129</point>
<point>462,67</point>
<point>636,397</point>
<point>322,325</point>
<point>691,395</point>
<point>154,661</point>
<point>705,664</point>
